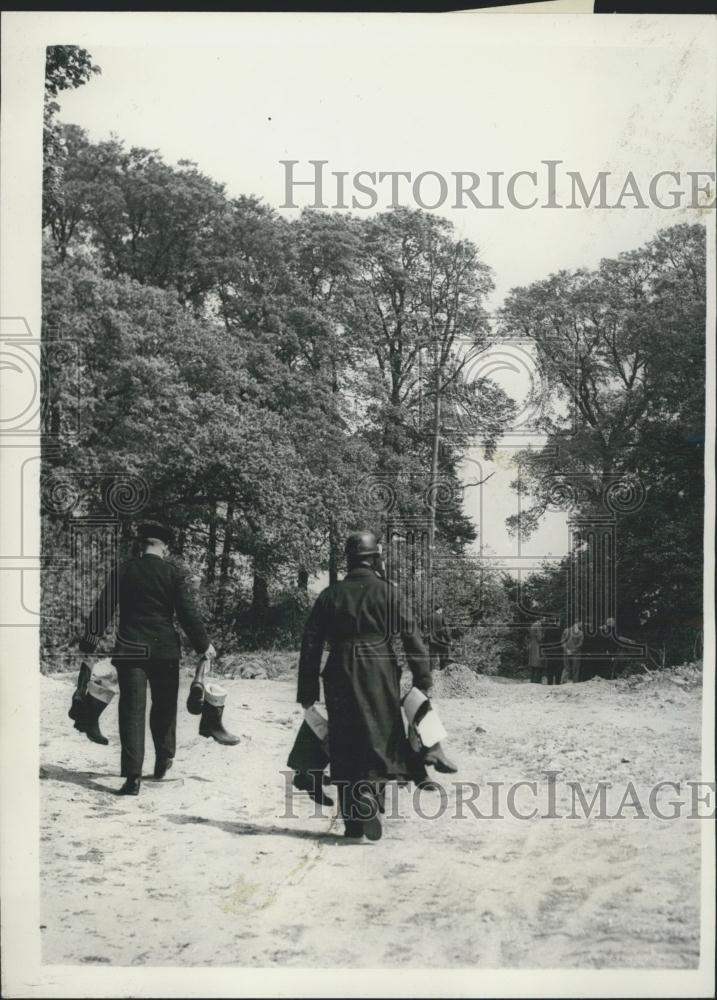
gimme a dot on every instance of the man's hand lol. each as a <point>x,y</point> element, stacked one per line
<point>88,644</point>
<point>210,653</point>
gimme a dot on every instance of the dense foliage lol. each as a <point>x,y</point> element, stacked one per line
<point>270,382</point>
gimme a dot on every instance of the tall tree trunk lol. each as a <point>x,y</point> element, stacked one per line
<point>334,556</point>
<point>181,541</point>
<point>211,545</point>
<point>433,487</point>
<point>225,561</point>
<point>259,613</point>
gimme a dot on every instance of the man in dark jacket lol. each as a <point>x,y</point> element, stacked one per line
<point>358,617</point>
<point>150,591</point>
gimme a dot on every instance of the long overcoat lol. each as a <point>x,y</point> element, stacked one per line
<point>359,617</point>
<point>536,638</point>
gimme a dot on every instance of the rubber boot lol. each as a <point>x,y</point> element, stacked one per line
<point>77,708</point>
<point>195,701</point>
<point>100,693</point>
<point>211,721</point>
<point>93,709</point>
<point>78,713</point>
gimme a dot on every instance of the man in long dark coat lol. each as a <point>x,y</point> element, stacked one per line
<point>358,617</point>
<point>535,656</point>
<point>150,591</point>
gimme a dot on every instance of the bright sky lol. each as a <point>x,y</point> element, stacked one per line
<point>437,92</point>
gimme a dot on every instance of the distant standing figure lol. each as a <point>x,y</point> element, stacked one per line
<point>623,656</point>
<point>572,640</point>
<point>552,653</point>
<point>535,660</point>
<point>603,646</point>
<point>439,639</point>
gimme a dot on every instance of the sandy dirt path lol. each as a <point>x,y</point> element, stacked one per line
<point>206,868</point>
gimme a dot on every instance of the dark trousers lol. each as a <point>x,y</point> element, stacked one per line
<point>163,678</point>
<point>536,675</point>
<point>574,668</point>
<point>440,655</point>
<point>554,671</point>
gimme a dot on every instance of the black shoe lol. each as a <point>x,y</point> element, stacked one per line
<point>353,829</point>
<point>131,786</point>
<point>212,725</point>
<point>435,757</point>
<point>308,783</point>
<point>372,828</point>
<point>161,766</point>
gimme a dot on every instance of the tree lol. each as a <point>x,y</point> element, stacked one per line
<point>625,345</point>
<point>419,309</point>
<point>66,67</point>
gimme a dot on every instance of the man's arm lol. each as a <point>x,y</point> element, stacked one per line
<point>419,660</point>
<point>312,648</point>
<point>188,613</point>
<point>100,618</point>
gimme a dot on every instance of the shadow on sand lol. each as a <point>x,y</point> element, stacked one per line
<point>54,772</point>
<point>256,830</point>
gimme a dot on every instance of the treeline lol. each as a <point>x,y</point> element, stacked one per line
<point>276,383</point>
<point>623,348</point>
<point>268,379</point>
